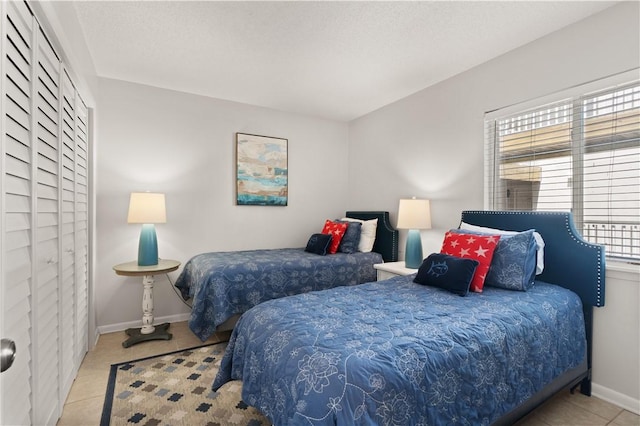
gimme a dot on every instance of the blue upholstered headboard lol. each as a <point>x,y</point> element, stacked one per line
<point>569,260</point>
<point>386,235</point>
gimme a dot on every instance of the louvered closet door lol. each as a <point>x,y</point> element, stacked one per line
<point>68,312</point>
<point>44,234</point>
<point>74,232</point>
<point>17,204</point>
<point>81,228</point>
<point>46,298</point>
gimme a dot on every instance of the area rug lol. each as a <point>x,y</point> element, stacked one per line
<point>175,389</point>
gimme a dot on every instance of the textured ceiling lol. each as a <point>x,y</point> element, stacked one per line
<point>338,60</point>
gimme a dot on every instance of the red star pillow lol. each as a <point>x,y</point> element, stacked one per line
<point>337,231</point>
<point>471,246</point>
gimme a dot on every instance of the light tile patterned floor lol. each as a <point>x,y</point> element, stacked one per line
<point>84,404</point>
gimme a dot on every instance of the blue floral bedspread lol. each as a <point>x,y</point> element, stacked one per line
<point>397,353</point>
<point>223,284</point>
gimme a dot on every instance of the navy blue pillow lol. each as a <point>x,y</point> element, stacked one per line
<point>447,272</point>
<point>319,244</point>
<point>513,266</point>
<point>351,238</point>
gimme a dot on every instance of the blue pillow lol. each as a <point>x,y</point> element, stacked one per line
<point>351,238</point>
<point>319,244</point>
<point>513,266</point>
<point>447,272</point>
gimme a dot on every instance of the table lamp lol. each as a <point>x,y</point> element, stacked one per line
<point>147,208</point>
<point>414,215</point>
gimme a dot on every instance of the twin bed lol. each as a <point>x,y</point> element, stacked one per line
<point>224,285</point>
<point>395,352</point>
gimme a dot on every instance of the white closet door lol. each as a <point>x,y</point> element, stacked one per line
<point>46,298</point>
<point>81,228</point>
<point>17,204</point>
<point>44,232</point>
<point>68,331</point>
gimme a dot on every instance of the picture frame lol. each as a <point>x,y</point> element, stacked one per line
<point>262,170</point>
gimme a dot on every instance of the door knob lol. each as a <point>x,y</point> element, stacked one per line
<point>7,354</point>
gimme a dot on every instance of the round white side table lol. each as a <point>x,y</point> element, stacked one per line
<point>148,331</point>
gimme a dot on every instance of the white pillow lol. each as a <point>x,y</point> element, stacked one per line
<point>367,234</point>
<point>536,235</point>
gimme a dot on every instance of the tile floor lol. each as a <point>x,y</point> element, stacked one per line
<point>84,404</point>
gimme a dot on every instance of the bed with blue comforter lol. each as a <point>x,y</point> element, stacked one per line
<point>223,285</point>
<point>395,352</point>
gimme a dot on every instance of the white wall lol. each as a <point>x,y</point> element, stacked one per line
<point>430,145</point>
<point>616,330</point>
<point>184,145</point>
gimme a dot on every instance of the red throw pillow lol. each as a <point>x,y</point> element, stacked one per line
<point>472,246</point>
<point>336,230</point>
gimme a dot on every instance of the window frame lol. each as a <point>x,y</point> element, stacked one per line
<point>572,96</point>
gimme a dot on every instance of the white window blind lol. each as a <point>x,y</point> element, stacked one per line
<point>578,154</point>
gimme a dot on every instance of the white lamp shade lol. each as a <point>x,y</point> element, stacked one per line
<point>414,214</point>
<point>147,207</point>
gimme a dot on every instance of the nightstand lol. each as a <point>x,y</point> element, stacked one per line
<point>148,331</point>
<point>392,269</point>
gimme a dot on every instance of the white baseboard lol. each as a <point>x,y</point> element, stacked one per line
<point>110,328</point>
<point>616,398</point>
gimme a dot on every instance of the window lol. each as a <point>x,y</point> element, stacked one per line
<point>579,153</point>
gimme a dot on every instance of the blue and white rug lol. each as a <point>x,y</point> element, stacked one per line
<point>175,389</point>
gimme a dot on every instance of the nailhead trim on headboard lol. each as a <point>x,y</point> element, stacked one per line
<point>596,251</point>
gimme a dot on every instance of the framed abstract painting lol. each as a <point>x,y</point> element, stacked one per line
<point>261,170</point>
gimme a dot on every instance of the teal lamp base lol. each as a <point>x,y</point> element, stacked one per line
<point>148,246</point>
<point>413,252</point>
